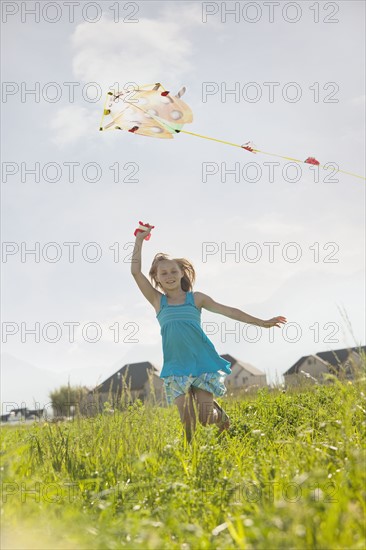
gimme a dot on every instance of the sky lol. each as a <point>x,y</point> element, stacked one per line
<point>269,239</point>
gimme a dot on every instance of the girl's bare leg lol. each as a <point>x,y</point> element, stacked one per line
<point>208,410</point>
<point>187,413</point>
<point>223,418</point>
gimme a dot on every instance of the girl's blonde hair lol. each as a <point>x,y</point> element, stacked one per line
<point>189,274</point>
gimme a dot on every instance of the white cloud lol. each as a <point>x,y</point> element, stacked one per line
<point>186,14</point>
<point>73,123</point>
<point>143,52</point>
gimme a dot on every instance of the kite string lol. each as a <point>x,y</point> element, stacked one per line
<point>254,150</point>
<point>159,121</point>
<point>270,154</point>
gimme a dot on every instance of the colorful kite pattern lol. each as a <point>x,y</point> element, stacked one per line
<point>147,111</point>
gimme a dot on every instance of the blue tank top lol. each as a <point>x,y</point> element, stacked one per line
<point>186,348</point>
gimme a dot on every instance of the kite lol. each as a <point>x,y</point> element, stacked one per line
<point>142,227</point>
<point>147,111</point>
<point>152,111</point>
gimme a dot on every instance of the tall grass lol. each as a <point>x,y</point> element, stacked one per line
<point>289,474</point>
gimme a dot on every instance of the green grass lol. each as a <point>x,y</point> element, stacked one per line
<point>289,474</point>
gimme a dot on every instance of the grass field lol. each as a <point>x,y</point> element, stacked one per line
<point>289,474</point>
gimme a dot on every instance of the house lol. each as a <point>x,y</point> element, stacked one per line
<point>243,374</point>
<point>132,381</point>
<point>21,414</point>
<point>344,363</point>
<point>33,414</point>
<point>309,368</point>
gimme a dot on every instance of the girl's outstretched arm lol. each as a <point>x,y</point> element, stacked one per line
<point>202,300</point>
<point>150,293</point>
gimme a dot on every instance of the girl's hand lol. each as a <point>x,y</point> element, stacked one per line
<point>275,322</point>
<point>140,235</point>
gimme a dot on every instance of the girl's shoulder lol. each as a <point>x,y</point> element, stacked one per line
<point>159,301</point>
<point>198,299</point>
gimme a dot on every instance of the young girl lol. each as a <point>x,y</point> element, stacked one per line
<point>193,371</point>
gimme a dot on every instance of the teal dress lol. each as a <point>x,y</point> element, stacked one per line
<point>186,348</point>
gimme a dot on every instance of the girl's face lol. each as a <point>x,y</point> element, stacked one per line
<point>169,275</point>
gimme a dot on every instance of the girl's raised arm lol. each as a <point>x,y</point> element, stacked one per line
<point>150,293</point>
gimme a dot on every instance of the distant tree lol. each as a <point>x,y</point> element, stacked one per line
<point>67,400</point>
